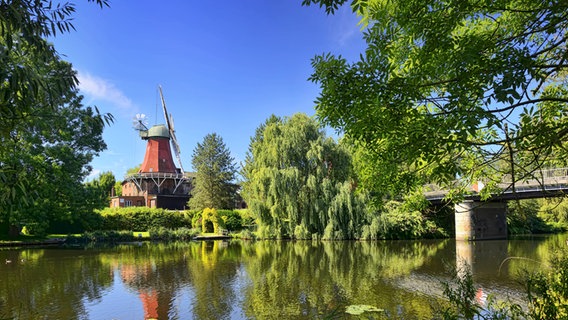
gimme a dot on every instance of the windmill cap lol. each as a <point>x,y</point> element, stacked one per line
<point>159,130</point>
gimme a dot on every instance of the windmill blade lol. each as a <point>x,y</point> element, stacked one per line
<point>170,125</point>
<point>140,122</point>
<point>166,117</point>
<point>175,145</point>
<point>174,141</point>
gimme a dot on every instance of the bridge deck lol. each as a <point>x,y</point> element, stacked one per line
<point>544,183</point>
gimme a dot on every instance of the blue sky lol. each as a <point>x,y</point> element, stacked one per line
<point>224,66</point>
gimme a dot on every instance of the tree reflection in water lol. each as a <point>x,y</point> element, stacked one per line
<point>247,280</point>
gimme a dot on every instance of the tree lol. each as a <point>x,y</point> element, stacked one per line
<point>49,154</point>
<point>118,188</point>
<point>447,88</point>
<point>298,182</point>
<point>47,137</point>
<point>100,189</point>
<point>133,170</point>
<point>215,173</point>
<point>24,25</point>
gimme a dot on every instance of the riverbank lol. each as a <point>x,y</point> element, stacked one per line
<point>25,240</point>
<point>109,236</point>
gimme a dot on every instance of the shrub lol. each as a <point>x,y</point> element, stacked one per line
<point>182,234</point>
<point>38,229</point>
<point>244,234</point>
<point>401,221</point>
<point>548,290</point>
<point>107,236</point>
<point>143,218</point>
<point>232,219</point>
<point>210,215</point>
<point>246,217</point>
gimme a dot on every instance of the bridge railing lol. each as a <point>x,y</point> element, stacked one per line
<point>541,175</point>
<point>541,180</point>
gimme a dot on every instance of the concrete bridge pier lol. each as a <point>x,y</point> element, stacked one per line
<point>477,220</point>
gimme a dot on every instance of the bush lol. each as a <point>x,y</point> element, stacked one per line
<point>107,236</point>
<point>35,228</point>
<point>246,217</point>
<point>400,221</point>
<point>244,234</point>
<point>143,218</point>
<point>526,217</point>
<point>233,220</point>
<point>182,234</point>
<point>548,289</point>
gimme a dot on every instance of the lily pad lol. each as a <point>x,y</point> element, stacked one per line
<point>357,309</point>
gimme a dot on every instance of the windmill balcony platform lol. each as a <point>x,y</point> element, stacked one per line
<point>156,175</point>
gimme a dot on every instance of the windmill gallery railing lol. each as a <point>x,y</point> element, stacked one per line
<point>158,178</point>
<point>540,183</point>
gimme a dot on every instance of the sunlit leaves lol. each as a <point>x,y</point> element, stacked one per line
<point>298,183</point>
<point>440,79</point>
<point>47,138</point>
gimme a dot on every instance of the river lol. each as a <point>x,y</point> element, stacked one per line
<point>257,280</point>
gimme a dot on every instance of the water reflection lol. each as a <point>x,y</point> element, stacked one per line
<point>251,280</point>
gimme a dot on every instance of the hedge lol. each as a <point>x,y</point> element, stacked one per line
<point>143,218</point>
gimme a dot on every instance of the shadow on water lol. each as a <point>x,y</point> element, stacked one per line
<point>253,280</point>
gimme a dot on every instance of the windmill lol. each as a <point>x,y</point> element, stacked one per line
<point>158,182</point>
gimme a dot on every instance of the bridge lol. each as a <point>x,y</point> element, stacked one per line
<point>477,219</point>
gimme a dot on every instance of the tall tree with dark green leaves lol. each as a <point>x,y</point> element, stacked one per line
<point>47,137</point>
<point>214,185</point>
<point>448,88</point>
<point>298,183</point>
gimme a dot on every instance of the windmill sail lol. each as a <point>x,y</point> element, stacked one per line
<point>170,125</point>
<point>140,122</point>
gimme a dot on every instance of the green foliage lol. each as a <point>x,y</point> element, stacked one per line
<point>196,218</point>
<point>245,234</point>
<point>118,188</point>
<point>547,293</point>
<point>107,236</point>
<point>398,221</point>
<point>181,234</point>
<point>298,182</point>
<point>536,216</point>
<point>37,229</point>
<point>47,137</point>
<point>461,293</point>
<point>232,219</point>
<point>211,216</point>
<point>215,172</point>
<point>450,88</point>
<point>133,170</point>
<point>554,211</point>
<point>548,289</point>
<point>142,218</point>
<point>407,219</point>
<point>99,189</point>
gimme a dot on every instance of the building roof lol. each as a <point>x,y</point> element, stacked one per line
<point>159,130</point>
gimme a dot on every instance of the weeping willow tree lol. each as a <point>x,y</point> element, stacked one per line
<point>299,183</point>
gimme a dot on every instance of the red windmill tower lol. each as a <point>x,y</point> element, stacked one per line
<point>158,183</point>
